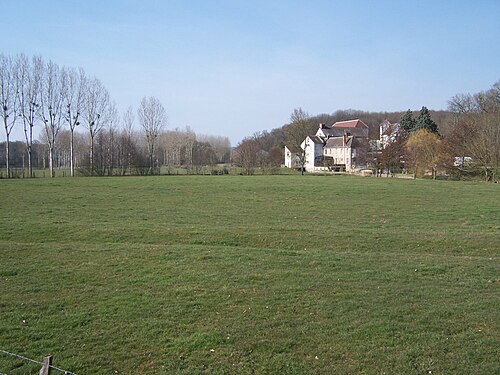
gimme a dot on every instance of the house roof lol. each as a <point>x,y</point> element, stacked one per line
<point>388,128</point>
<point>316,139</point>
<point>294,149</point>
<point>339,132</point>
<point>350,124</point>
<point>335,142</point>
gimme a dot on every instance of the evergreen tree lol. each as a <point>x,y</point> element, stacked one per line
<point>424,121</point>
<point>407,122</point>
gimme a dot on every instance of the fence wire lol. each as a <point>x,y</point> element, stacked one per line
<point>37,362</point>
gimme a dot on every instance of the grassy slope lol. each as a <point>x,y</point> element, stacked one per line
<point>275,274</point>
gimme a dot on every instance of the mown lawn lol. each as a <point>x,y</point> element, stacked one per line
<point>241,275</point>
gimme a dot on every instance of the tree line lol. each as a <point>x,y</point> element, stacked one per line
<point>35,93</point>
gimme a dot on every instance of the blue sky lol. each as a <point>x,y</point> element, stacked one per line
<point>237,67</point>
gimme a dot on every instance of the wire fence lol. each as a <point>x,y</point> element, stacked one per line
<point>45,364</point>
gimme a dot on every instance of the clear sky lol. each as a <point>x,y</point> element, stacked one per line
<point>237,67</point>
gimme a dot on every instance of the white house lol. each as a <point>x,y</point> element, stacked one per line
<point>340,151</point>
<point>388,133</point>
<point>313,150</point>
<point>292,156</point>
<point>336,147</point>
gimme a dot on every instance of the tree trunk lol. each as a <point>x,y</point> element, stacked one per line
<point>29,149</point>
<point>30,165</point>
<point>7,154</point>
<point>51,160</point>
<point>30,153</point>
<point>91,154</point>
<point>72,157</point>
<point>151,159</point>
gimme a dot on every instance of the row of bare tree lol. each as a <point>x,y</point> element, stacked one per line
<point>60,100</point>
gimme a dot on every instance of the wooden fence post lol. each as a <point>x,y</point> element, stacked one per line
<point>47,362</point>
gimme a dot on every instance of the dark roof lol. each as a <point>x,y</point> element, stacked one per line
<point>294,149</point>
<point>316,139</point>
<point>334,142</point>
<point>350,124</point>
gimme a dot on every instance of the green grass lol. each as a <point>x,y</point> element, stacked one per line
<point>240,275</point>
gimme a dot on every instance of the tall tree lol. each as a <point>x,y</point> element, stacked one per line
<point>245,154</point>
<point>295,133</point>
<point>299,127</point>
<point>50,110</point>
<point>30,92</point>
<point>111,124</point>
<point>390,157</point>
<point>425,121</point>
<point>128,127</point>
<point>407,122</point>
<point>422,150</point>
<point>203,154</point>
<point>152,117</point>
<point>9,88</point>
<point>221,146</point>
<point>96,103</point>
<point>74,96</point>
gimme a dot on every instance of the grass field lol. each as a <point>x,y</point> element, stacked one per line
<point>241,275</point>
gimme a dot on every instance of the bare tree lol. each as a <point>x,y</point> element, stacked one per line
<point>50,110</point>
<point>245,154</point>
<point>111,125</point>
<point>171,143</point>
<point>221,146</point>
<point>188,140</point>
<point>152,118</point>
<point>9,88</point>
<point>475,130</point>
<point>128,127</point>
<point>299,128</point>
<point>96,102</point>
<point>74,96</point>
<point>30,73</point>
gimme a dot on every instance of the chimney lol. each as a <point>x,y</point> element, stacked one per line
<point>344,139</point>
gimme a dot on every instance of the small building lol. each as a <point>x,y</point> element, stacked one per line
<point>293,156</point>
<point>313,149</point>
<point>388,133</point>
